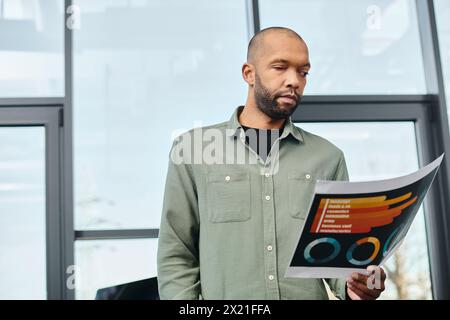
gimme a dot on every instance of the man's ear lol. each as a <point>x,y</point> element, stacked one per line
<point>248,73</point>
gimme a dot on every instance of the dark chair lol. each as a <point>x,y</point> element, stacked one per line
<point>146,289</point>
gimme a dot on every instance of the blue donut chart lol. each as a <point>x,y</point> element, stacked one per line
<point>332,241</point>
<point>350,250</point>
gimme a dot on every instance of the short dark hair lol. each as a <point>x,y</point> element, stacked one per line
<point>255,44</point>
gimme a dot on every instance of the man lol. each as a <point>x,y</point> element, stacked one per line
<point>229,226</point>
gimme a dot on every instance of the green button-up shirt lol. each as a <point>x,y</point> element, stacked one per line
<point>228,226</point>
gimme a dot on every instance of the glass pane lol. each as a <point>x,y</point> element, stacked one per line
<point>442,9</point>
<point>356,47</point>
<point>373,153</point>
<point>31,48</point>
<point>137,81</point>
<point>105,263</point>
<point>22,213</point>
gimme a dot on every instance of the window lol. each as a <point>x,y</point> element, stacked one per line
<point>22,213</point>
<point>372,152</point>
<point>31,48</point>
<point>144,70</point>
<point>442,9</point>
<point>355,47</point>
<point>105,263</point>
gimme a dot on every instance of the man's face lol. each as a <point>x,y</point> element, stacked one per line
<point>280,75</point>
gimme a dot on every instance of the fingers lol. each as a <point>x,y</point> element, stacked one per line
<point>358,294</point>
<point>371,270</point>
<point>358,277</point>
<point>362,288</point>
<point>358,283</point>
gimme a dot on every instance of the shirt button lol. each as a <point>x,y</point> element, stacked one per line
<point>271,277</point>
<point>227,178</point>
<point>267,198</point>
<point>267,174</point>
<point>269,248</point>
<point>308,177</point>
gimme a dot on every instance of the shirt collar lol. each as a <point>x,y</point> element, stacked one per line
<point>289,127</point>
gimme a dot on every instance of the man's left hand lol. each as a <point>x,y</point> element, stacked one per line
<point>366,287</point>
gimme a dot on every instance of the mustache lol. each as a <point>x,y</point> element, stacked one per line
<point>289,94</point>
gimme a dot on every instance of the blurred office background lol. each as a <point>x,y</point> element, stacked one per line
<point>92,92</point>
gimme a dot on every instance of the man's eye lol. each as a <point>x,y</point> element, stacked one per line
<point>278,67</point>
<point>304,73</point>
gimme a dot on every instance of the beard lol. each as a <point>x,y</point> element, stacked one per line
<point>267,102</point>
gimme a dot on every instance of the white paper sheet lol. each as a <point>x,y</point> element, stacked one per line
<point>351,225</point>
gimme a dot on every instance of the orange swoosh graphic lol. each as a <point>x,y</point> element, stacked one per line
<point>358,215</point>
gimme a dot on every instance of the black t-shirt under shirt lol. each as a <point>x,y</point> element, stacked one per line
<point>261,140</point>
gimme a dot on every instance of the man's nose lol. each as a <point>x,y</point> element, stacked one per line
<point>292,80</point>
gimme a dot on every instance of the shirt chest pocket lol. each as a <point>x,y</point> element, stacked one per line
<point>301,189</point>
<point>228,196</point>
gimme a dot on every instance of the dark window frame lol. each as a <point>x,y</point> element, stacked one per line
<point>428,111</point>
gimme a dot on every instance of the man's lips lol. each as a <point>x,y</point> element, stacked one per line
<point>290,99</point>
